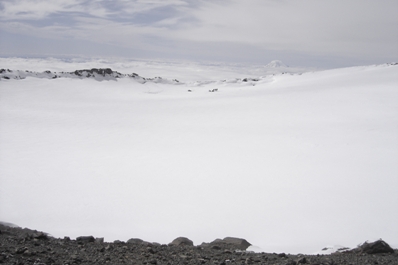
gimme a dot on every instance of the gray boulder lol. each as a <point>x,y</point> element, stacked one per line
<point>40,235</point>
<point>227,243</point>
<point>99,240</point>
<point>85,239</point>
<point>240,243</point>
<point>181,241</point>
<point>135,241</point>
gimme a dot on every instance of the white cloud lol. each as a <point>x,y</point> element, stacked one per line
<point>352,29</point>
<point>138,6</point>
<point>37,9</point>
<point>40,9</point>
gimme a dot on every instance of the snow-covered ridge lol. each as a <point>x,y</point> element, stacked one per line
<point>107,74</point>
<point>182,70</point>
<point>99,74</point>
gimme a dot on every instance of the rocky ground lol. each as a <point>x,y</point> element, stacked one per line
<point>25,246</point>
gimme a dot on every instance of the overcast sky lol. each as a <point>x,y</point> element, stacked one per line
<point>315,33</point>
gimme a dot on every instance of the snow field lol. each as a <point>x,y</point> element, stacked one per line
<point>292,164</point>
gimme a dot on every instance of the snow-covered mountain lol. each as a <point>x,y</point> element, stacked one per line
<point>107,74</point>
<point>276,64</point>
<point>182,71</point>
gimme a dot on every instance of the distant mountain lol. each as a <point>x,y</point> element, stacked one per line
<point>276,64</point>
<point>100,74</point>
<point>107,74</point>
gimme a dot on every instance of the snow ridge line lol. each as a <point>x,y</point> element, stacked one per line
<point>99,74</point>
<point>107,74</point>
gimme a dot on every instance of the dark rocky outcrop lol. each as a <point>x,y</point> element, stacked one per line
<point>250,79</point>
<point>85,239</point>
<point>101,71</point>
<point>228,243</point>
<point>99,74</point>
<point>376,247</point>
<point>25,246</point>
<point>99,240</point>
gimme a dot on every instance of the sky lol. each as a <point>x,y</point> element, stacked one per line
<point>310,33</point>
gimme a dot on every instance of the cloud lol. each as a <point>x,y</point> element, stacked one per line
<point>41,9</point>
<point>37,9</point>
<point>354,29</point>
<point>118,22</point>
<point>140,6</point>
<point>309,25</point>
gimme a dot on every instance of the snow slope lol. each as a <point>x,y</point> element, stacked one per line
<point>292,164</point>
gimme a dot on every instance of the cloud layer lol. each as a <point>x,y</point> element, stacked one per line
<point>325,33</point>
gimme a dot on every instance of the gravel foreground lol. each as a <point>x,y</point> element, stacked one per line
<point>24,246</point>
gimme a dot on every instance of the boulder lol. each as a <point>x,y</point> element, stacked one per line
<point>135,241</point>
<point>227,243</point>
<point>85,239</point>
<point>240,243</point>
<point>40,235</point>
<point>99,240</point>
<point>181,241</point>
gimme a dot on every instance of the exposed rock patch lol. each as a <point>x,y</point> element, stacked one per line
<point>26,246</point>
<point>376,247</point>
<point>99,74</point>
<point>232,243</point>
<point>85,239</point>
